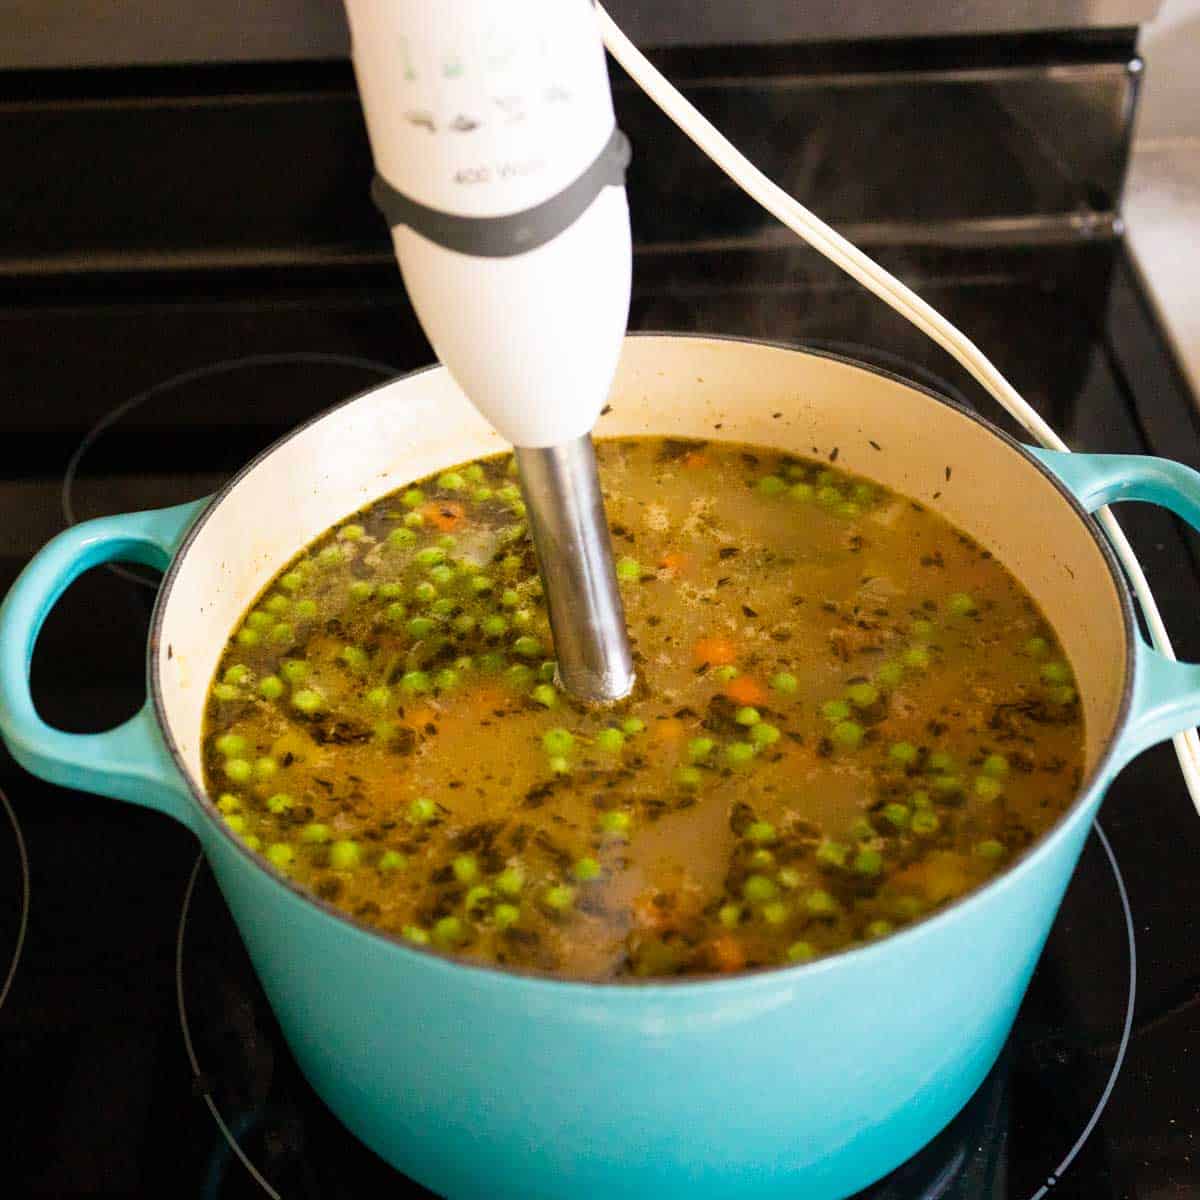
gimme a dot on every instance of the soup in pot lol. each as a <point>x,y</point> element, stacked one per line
<point>847,715</point>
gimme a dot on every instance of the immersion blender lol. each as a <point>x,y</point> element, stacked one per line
<point>501,172</point>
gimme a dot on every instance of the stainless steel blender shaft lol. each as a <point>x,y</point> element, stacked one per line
<point>570,536</point>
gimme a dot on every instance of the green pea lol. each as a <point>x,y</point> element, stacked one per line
<point>897,815</point>
<point>481,494</point>
<point>879,928</point>
<point>835,710</point>
<point>761,860</point>
<point>421,627</point>
<point>283,634</point>
<point>771,485</point>
<point>345,855</point>
<point>491,663</point>
<point>265,767</point>
<point>445,679</point>
<point>465,868</point>
<point>629,569</point>
<point>506,915</point>
<point>430,556</point>
<point>481,584</point>
<point>260,620</point>
<point>738,754</point>
<point>415,682</point>
<point>395,613</point>
<point>280,855</point>
<point>559,898</point>
<point>247,637</point>
<point>990,849</point>
<point>231,744</point>
<point>510,564</point>
<point>527,647</point>
<point>315,832</point>
<point>615,822</point>
<point>688,778</point>
<point>307,700</point>
<point>306,609</point>
<point>271,687</point>
<point>785,682</point>
<point>828,496</point>
<point>392,860</point>
<point>401,536</point>
<point>904,753</point>
<point>379,697</point>
<point>862,695</point>
<point>610,740</point>
<point>775,912</point>
<point>862,830</point>
<point>361,590</point>
<point>390,591</point>
<point>763,734</point>
<point>252,842</point>
<point>293,581</point>
<point>518,508</point>
<point>758,888</point>
<point>443,608</point>
<point>226,692</point>
<point>987,788</point>
<point>415,934</point>
<point>355,657</point>
<point>820,903</point>
<point>228,803</point>
<point>238,769</point>
<point>294,670</point>
<point>1036,647</point>
<point>586,869</point>
<point>848,509</point>
<point>510,598</point>
<point>509,492</point>
<point>239,673</point>
<point>422,811</point>
<point>330,556</point>
<point>762,833</point>
<point>831,853</point>
<point>848,733</point>
<point>413,520</point>
<point>890,674</point>
<point>922,628</point>
<point>450,931</point>
<point>494,626</point>
<point>920,799</point>
<point>726,673</point>
<point>1063,693</point>
<point>925,822</point>
<point>789,877</point>
<point>916,657</point>
<point>802,492</point>
<point>947,785</point>
<point>747,716</point>
<point>477,897</point>
<point>474,473</point>
<point>995,765</point>
<point>960,604</point>
<point>413,498</point>
<point>868,861</point>
<point>633,725</point>
<point>1056,672</point>
<point>451,481</point>
<point>799,952</point>
<point>698,749</point>
<point>730,915</point>
<point>908,907</point>
<point>940,760</point>
<point>545,695</point>
<point>863,493</point>
<point>510,881</point>
<point>558,741</point>
<point>351,533</point>
<point>522,618</point>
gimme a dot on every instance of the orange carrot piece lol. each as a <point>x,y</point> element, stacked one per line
<point>716,651</point>
<point>675,561</point>
<point>446,515</point>
<point>726,953</point>
<point>669,730</point>
<point>746,690</point>
<point>695,459</point>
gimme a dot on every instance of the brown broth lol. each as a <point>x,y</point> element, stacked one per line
<point>848,714</point>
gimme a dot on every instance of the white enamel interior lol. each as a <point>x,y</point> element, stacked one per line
<point>676,386</point>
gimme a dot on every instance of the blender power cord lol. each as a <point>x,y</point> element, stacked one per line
<point>903,300</point>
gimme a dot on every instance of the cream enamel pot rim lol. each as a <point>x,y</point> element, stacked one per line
<point>811,1080</point>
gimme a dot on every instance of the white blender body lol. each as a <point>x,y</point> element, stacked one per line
<point>501,173</point>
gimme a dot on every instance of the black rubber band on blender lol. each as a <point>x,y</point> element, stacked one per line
<point>516,233</point>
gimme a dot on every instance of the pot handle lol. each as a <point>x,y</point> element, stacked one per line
<point>129,762</point>
<point>1166,694</point>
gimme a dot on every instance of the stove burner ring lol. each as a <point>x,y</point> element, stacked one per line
<point>23,923</point>
<point>209,371</point>
<point>945,1178</point>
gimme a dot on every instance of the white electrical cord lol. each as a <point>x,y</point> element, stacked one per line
<point>907,303</point>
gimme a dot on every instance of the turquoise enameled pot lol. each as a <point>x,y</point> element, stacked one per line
<point>809,1082</point>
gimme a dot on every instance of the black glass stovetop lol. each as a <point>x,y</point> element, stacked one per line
<point>138,1057</point>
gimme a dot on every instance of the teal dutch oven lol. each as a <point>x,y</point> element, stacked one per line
<point>810,1081</point>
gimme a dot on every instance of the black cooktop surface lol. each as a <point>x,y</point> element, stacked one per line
<point>138,1056</point>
